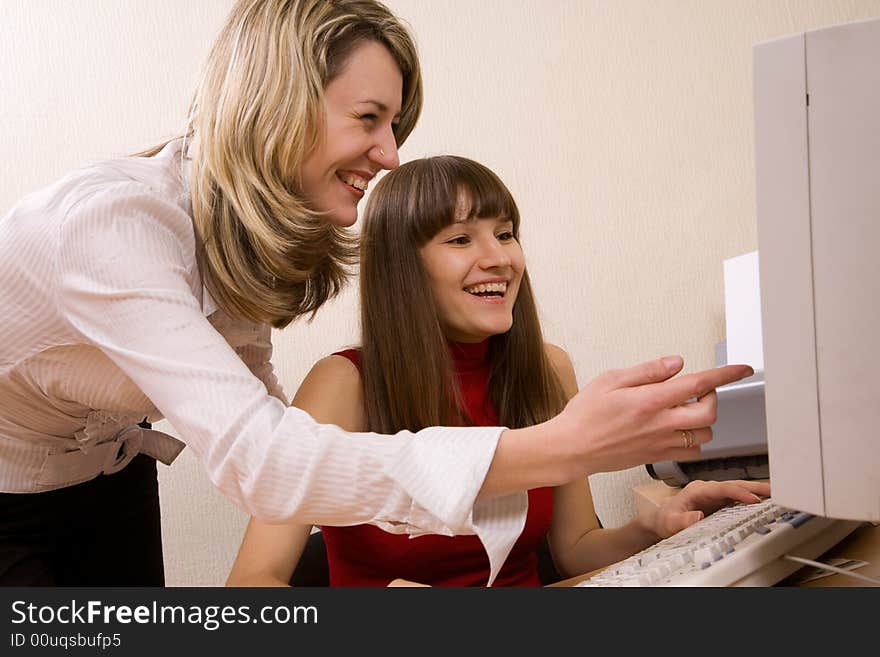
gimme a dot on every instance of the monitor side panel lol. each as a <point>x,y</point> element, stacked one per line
<point>784,251</point>
<point>843,80</point>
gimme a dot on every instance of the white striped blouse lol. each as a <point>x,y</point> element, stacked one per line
<point>105,321</point>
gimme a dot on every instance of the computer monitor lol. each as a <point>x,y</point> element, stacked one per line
<point>817,154</point>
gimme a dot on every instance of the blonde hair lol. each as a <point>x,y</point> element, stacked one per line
<point>264,253</point>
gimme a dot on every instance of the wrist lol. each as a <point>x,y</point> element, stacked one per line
<point>527,458</point>
<point>567,441</point>
<point>646,522</point>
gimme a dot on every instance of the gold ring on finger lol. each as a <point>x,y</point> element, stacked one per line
<point>689,438</point>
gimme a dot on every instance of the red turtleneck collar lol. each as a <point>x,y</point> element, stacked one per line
<point>469,356</point>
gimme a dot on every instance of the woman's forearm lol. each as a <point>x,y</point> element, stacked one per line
<point>603,547</point>
<point>525,459</point>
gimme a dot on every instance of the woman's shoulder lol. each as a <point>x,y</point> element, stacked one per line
<point>130,204</point>
<point>557,355</point>
<point>337,371</point>
<point>352,355</point>
<point>332,393</point>
<point>112,181</point>
<point>561,363</point>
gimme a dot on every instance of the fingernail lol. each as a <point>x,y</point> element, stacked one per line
<point>672,362</point>
<point>757,499</point>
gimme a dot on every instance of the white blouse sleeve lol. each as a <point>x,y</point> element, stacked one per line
<point>257,355</point>
<point>124,284</point>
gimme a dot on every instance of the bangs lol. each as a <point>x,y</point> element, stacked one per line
<point>437,189</point>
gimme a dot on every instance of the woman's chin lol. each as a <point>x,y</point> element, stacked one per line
<point>484,333</point>
<point>340,220</point>
<point>342,216</point>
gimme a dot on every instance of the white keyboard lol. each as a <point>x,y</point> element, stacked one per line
<point>739,545</point>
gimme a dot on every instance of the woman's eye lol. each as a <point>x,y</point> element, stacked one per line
<point>461,240</point>
<point>506,236</point>
<point>372,118</point>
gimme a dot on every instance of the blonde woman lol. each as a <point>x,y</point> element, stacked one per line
<point>443,276</point>
<point>146,287</point>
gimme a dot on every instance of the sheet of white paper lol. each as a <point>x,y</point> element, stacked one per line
<point>742,311</point>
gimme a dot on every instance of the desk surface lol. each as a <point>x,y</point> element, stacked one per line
<point>863,544</point>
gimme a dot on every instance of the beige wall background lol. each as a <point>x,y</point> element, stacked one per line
<point>623,128</point>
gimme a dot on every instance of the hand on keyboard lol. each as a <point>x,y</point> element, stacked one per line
<point>699,499</point>
<point>739,545</point>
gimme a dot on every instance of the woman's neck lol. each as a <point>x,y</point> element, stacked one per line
<point>469,355</point>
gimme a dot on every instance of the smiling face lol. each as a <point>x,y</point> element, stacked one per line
<point>475,267</point>
<point>361,107</point>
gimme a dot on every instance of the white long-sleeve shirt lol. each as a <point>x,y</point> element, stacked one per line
<point>104,320</point>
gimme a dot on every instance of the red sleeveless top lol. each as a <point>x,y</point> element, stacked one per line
<point>364,555</point>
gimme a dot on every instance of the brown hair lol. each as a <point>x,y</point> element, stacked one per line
<point>265,254</point>
<point>406,369</point>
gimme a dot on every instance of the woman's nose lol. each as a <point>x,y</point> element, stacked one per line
<point>494,255</point>
<point>384,152</point>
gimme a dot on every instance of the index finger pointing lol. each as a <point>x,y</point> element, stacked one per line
<point>677,391</point>
<point>652,371</point>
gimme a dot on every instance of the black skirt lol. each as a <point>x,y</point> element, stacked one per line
<point>102,532</point>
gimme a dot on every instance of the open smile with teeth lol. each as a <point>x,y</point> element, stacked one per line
<point>354,181</point>
<point>488,289</point>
